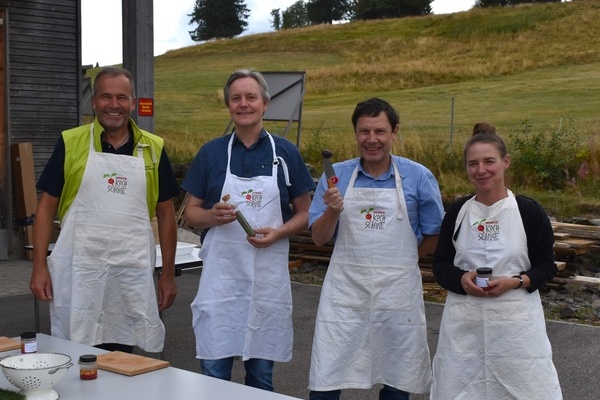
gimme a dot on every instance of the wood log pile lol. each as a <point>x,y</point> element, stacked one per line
<point>571,241</point>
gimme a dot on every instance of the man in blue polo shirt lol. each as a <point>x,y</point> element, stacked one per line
<point>244,306</point>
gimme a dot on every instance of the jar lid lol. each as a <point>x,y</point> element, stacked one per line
<point>28,335</point>
<point>86,358</point>
<point>484,270</point>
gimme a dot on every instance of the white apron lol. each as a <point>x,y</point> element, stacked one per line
<point>244,302</point>
<point>103,262</point>
<point>493,348</point>
<point>371,320</point>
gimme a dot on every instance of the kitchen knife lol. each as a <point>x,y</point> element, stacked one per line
<point>332,180</point>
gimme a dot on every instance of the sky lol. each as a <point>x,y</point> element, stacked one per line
<point>104,45</point>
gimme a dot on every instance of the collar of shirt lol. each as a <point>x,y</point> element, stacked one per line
<point>389,174</point>
<point>237,142</point>
<point>125,148</point>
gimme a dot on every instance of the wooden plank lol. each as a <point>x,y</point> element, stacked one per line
<point>585,231</point>
<point>561,235</point>
<point>311,247</point>
<point>179,217</point>
<point>311,257</point>
<point>295,264</point>
<point>561,251</point>
<point>578,280</point>
<point>578,243</point>
<point>24,189</point>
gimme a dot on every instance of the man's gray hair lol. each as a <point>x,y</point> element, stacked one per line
<point>247,73</point>
<point>112,71</point>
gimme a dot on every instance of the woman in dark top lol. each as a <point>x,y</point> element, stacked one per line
<point>493,342</point>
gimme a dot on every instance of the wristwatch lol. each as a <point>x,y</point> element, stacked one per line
<point>520,278</point>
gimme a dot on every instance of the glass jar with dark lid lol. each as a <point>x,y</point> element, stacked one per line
<point>28,342</point>
<point>88,367</point>
<point>484,275</point>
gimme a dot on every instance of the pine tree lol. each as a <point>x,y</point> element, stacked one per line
<point>327,11</point>
<point>218,19</point>
<point>376,9</point>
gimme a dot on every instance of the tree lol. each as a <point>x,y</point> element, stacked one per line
<point>502,3</point>
<point>295,16</point>
<point>492,3</point>
<point>375,9</point>
<point>218,19</point>
<point>276,22</point>
<point>327,11</point>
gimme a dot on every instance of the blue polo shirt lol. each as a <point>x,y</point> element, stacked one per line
<point>206,174</point>
<point>421,192</point>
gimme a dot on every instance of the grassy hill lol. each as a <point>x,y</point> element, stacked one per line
<point>535,62</point>
<point>531,68</point>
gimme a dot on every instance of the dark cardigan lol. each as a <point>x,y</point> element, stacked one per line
<point>540,242</point>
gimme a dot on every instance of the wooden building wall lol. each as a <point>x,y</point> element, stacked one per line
<point>43,74</point>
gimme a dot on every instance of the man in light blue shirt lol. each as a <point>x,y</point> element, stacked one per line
<point>384,212</point>
<point>421,192</point>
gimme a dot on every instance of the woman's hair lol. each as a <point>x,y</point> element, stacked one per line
<point>486,133</point>
<point>483,127</point>
<point>247,73</point>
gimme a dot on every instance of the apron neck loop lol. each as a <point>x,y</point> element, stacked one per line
<point>140,151</point>
<point>275,163</point>
<point>92,138</point>
<point>286,173</point>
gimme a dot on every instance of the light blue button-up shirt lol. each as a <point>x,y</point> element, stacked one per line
<point>421,192</point>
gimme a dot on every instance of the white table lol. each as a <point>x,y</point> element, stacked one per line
<point>183,262</point>
<point>164,384</point>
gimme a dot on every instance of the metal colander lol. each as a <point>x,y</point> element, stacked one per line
<point>36,371</point>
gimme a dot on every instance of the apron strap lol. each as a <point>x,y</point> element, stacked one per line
<point>276,159</point>
<point>459,218</point>
<point>92,138</point>
<point>140,151</point>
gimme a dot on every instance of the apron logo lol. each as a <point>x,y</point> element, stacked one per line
<point>374,219</point>
<point>253,199</point>
<point>488,231</point>
<point>116,184</point>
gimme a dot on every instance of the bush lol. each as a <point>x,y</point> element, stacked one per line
<point>547,159</point>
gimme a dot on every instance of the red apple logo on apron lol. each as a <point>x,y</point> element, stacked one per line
<point>480,226</point>
<point>111,181</point>
<point>247,194</point>
<point>368,214</point>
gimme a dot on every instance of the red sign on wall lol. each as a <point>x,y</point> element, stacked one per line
<point>145,107</point>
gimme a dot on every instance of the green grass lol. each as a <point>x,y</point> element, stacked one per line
<point>534,65</point>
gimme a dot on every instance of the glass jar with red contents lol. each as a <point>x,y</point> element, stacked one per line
<point>88,367</point>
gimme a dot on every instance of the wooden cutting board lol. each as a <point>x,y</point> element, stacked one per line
<point>7,343</point>
<point>129,364</point>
